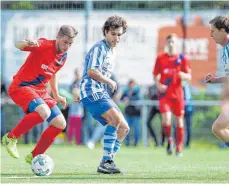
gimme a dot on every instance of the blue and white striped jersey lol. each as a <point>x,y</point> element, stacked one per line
<point>102,58</point>
<point>225,59</point>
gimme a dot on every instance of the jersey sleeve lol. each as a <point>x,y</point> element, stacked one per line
<point>96,57</point>
<point>42,43</point>
<point>157,67</point>
<point>185,67</point>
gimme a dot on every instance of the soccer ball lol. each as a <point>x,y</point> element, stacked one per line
<point>42,165</point>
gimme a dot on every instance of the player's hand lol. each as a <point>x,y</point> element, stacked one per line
<point>210,78</point>
<point>62,100</point>
<point>113,85</point>
<point>162,88</point>
<point>32,43</point>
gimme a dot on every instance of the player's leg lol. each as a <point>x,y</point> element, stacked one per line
<point>166,124</point>
<point>104,110</point>
<point>178,110</point>
<point>57,125</point>
<point>221,125</point>
<point>122,132</point>
<point>166,116</point>
<point>179,134</point>
<point>38,112</point>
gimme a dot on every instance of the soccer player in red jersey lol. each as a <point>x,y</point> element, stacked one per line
<point>169,71</point>
<point>28,90</point>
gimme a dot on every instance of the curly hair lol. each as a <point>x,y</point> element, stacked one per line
<point>221,22</point>
<point>114,22</point>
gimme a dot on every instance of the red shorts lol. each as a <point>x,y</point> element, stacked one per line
<point>172,105</point>
<point>22,96</point>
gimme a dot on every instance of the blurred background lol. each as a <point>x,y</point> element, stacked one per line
<point>149,23</point>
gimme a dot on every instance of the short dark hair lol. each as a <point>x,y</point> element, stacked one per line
<point>114,22</point>
<point>221,22</point>
<point>68,31</point>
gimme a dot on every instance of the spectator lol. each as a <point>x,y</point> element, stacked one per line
<point>4,101</point>
<point>75,118</point>
<point>153,95</point>
<point>132,112</point>
<point>189,108</point>
<point>75,113</point>
<point>87,120</point>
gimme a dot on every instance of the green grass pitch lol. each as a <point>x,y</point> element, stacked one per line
<point>139,165</point>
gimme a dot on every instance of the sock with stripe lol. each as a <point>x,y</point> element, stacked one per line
<point>118,144</point>
<point>110,136</point>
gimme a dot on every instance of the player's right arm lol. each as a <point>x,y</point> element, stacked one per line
<point>157,75</point>
<point>97,75</point>
<point>161,87</point>
<point>24,43</point>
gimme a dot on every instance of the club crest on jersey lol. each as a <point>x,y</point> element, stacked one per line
<point>61,61</point>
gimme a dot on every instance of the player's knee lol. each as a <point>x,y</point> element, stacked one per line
<point>127,129</point>
<point>115,122</point>
<point>43,111</point>
<point>215,128</point>
<point>59,122</point>
<point>61,125</point>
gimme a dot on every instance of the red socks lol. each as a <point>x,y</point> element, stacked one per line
<point>167,132</point>
<point>46,139</point>
<point>27,123</point>
<point>179,138</point>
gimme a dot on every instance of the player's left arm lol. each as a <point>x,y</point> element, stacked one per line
<point>54,87</point>
<point>185,73</point>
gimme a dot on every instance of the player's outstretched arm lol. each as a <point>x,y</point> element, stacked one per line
<point>23,43</point>
<point>96,75</point>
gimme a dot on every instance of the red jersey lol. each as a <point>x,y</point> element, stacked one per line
<point>41,64</point>
<point>169,67</point>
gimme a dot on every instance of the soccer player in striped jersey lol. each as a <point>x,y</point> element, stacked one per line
<point>99,63</point>
<point>28,90</point>
<point>220,33</point>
